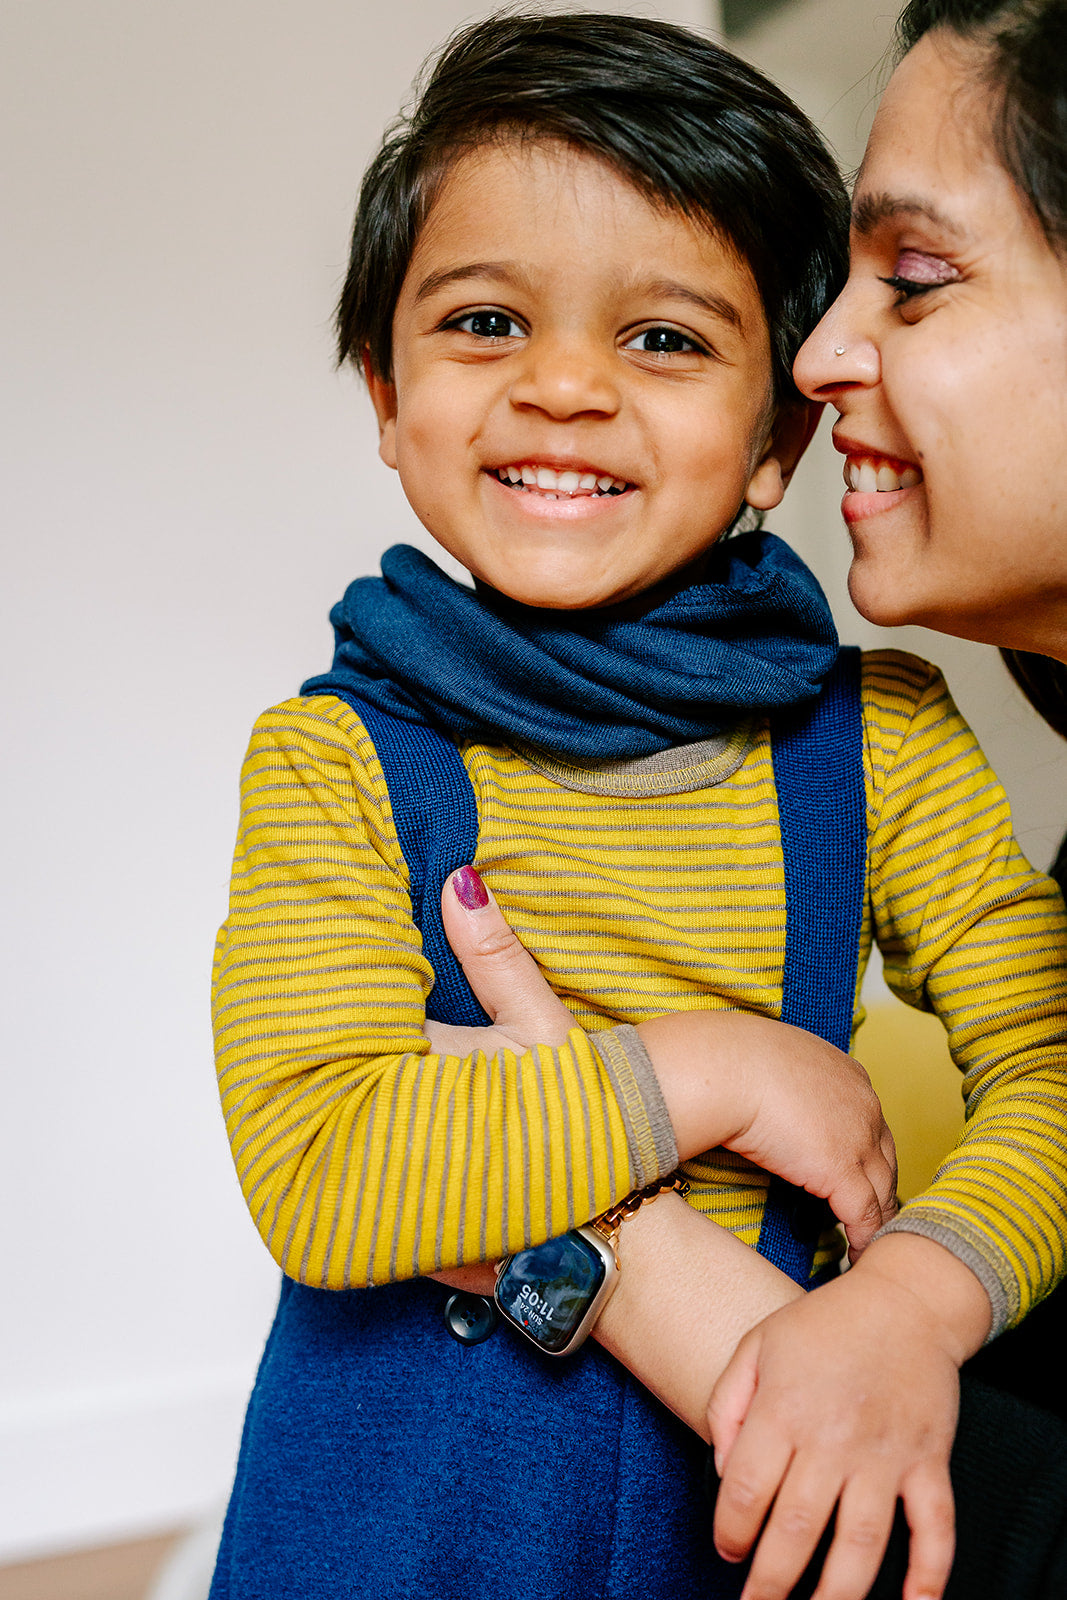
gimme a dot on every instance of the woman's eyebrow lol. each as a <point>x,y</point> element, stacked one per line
<point>871,210</point>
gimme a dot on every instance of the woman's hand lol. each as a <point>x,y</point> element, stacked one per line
<point>847,1399</point>
<point>780,1096</point>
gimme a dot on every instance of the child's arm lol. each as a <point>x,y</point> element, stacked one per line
<point>852,1392</point>
<point>783,1098</point>
<point>363,1154</point>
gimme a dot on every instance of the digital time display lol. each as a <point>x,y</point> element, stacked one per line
<point>547,1290</point>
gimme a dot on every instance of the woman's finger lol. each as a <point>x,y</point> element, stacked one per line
<point>505,977</point>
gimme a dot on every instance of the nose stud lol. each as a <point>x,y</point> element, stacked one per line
<point>839,349</point>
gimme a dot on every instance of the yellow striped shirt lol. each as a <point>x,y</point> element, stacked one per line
<point>365,1157</point>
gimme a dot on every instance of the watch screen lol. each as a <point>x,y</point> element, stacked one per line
<point>548,1289</point>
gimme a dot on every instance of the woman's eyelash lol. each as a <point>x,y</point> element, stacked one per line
<point>911,288</point>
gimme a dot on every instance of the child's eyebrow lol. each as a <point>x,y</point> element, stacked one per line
<point>503,271</point>
<point>716,304</point>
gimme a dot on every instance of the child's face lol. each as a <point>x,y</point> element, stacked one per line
<point>554,326</point>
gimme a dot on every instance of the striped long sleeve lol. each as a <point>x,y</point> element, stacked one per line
<point>640,889</point>
<point>969,930</point>
<point>363,1156</point>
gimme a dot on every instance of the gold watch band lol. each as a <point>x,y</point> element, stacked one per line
<point>609,1223</point>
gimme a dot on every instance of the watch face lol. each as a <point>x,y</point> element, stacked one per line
<point>547,1290</point>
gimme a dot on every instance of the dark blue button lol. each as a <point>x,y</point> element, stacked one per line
<point>470,1318</point>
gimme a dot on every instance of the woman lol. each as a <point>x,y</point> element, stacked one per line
<point>946,357</point>
<point>945,354</point>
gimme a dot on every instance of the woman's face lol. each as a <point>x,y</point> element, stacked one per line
<point>946,356</point>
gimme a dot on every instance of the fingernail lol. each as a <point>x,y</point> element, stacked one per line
<point>470,890</point>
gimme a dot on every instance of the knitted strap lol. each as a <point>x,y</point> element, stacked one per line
<point>436,819</point>
<point>822,807</point>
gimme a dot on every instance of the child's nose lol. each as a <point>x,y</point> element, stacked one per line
<point>565,379</point>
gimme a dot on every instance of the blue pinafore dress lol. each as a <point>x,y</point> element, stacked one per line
<point>383,1459</point>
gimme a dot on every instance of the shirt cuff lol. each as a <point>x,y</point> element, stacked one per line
<point>653,1151</point>
<point>970,1247</point>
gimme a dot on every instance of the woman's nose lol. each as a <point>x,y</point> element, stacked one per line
<point>837,355</point>
<point>567,378</point>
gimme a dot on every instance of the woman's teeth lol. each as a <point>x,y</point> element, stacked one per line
<point>872,476</point>
<point>552,484</point>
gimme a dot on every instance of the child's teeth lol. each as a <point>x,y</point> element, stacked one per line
<point>553,483</point>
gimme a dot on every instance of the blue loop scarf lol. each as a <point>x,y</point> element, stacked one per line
<point>749,629</point>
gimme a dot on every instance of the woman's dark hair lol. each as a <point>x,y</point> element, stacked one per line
<point>1024,66</point>
<point>692,127</point>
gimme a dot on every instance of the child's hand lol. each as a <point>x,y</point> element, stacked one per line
<point>787,1101</point>
<point>847,1399</point>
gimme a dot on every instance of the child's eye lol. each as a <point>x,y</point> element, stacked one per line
<point>488,325</point>
<point>662,342</point>
<point>916,274</point>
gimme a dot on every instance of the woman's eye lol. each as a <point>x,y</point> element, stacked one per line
<point>488,325</point>
<point>916,273</point>
<point>662,342</point>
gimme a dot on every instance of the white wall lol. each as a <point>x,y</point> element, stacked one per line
<point>189,487</point>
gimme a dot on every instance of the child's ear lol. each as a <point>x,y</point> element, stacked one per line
<point>791,433</point>
<point>383,399</point>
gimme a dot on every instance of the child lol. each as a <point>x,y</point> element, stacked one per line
<point>578,280</point>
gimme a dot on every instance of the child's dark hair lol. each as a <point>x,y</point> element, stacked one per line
<point>691,126</point>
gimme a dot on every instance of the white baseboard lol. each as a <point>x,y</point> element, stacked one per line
<point>98,1468</point>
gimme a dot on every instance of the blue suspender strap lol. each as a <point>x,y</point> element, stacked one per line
<point>436,820</point>
<point>822,807</point>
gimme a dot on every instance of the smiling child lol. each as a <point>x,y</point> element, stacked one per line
<point>579,276</point>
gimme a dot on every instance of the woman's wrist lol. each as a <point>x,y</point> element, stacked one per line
<point>688,1291</point>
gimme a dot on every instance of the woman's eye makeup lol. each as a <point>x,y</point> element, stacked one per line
<point>916,273</point>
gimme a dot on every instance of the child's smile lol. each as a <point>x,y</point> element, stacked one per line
<point>581,394</point>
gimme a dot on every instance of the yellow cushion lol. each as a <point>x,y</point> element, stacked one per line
<point>905,1053</point>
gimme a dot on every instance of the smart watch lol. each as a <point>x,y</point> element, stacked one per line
<point>554,1292</point>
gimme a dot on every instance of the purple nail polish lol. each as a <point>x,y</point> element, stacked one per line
<point>470,890</point>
